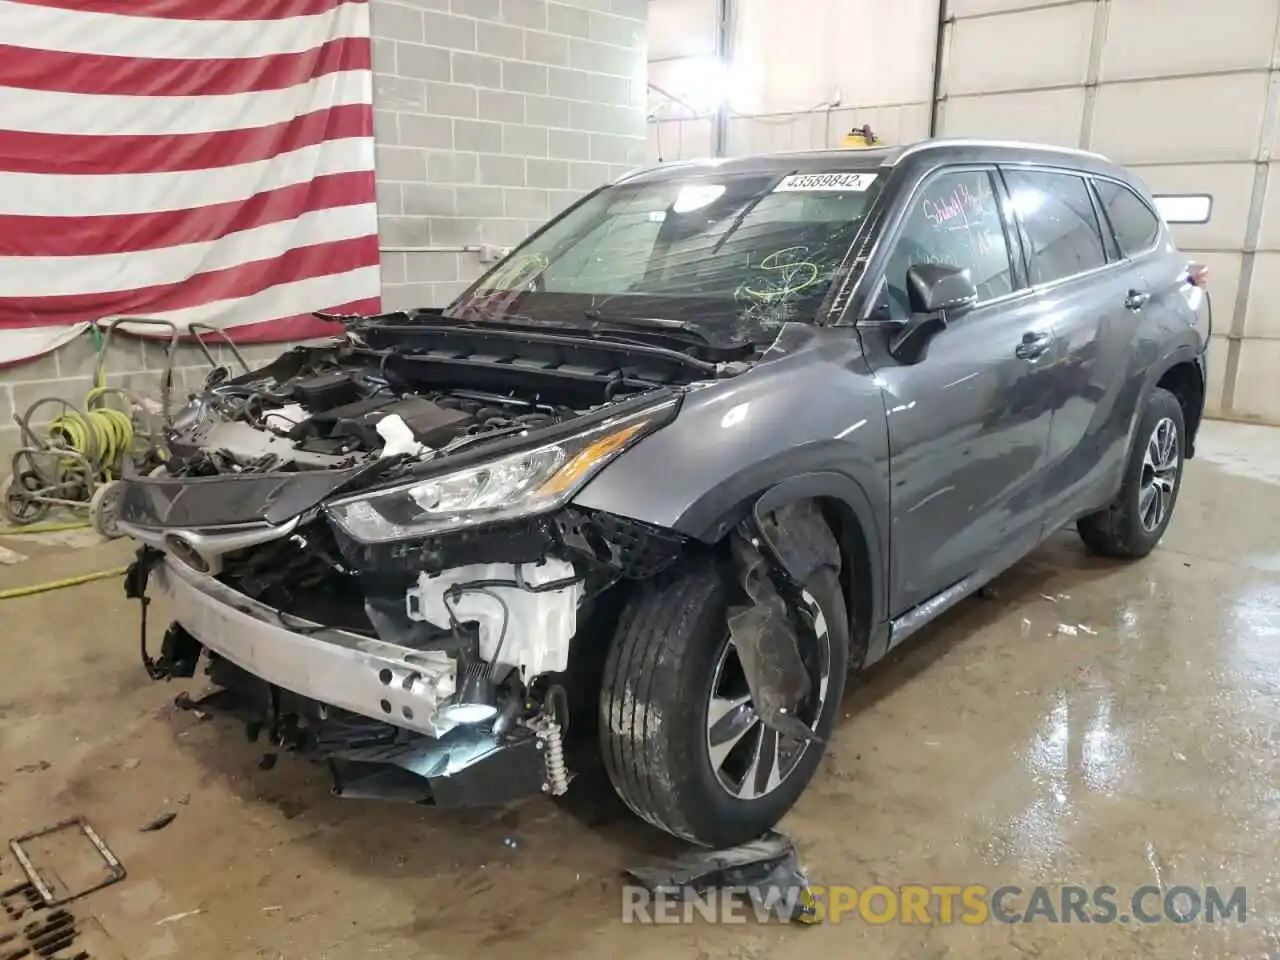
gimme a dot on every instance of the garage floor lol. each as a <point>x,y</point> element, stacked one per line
<point>1093,724</point>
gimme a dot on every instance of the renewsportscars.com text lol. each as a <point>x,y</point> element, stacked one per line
<point>939,905</point>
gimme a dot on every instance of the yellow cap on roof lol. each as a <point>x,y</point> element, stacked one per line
<point>861,137</point>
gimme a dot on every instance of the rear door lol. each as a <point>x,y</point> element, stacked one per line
<point>1091,295</point>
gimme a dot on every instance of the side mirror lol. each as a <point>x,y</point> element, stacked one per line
<point>937,292</point>
<point>940,288</point>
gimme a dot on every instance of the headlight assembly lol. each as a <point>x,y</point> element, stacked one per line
<point>519,484</point>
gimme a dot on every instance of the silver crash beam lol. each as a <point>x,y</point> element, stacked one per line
<point>367,676</point>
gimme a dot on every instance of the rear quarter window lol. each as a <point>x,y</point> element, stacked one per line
<point>1135,226</point>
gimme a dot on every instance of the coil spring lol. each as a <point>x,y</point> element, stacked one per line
<point>557,771</point>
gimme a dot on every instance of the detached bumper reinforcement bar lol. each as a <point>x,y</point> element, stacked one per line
<point>367,676</point>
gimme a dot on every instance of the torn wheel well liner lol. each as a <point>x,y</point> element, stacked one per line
<point>848,513</point>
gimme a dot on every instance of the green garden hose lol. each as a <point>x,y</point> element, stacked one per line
<point>59,584</point>
<point>102,433</point>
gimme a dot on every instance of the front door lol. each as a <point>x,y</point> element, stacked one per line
<point>969,422</point>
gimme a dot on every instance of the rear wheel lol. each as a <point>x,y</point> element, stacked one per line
<point>682,741</point>
<point>1137,519</point>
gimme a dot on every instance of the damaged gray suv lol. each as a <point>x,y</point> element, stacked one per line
<point>717,437</point>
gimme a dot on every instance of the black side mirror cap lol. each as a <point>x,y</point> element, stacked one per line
<point>937,293</point>
<point>940,288</point>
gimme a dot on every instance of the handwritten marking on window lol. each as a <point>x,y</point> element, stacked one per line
<point>962,203</point>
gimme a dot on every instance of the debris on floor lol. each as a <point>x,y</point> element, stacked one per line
<point>159,823</point>
<point>764,870</point>
<point>8,556</point>
<point>1075,629</point>
<point>175,917</point>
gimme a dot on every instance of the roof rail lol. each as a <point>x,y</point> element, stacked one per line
<point>937,143</point>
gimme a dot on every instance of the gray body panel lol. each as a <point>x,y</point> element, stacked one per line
<point>965,460</point>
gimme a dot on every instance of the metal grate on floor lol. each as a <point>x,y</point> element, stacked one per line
<point>31,931</point>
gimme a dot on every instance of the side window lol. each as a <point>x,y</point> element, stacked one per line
<point>955,220</point>
<point>1135,226</point>
<point>1059,221</point>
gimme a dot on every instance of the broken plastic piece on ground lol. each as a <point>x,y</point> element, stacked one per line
<point>762,869</point>
<point>159,823</point>
<point>52,897</point>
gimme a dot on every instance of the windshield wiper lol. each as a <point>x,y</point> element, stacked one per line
<point>660,324</point>
<point>601,325</point>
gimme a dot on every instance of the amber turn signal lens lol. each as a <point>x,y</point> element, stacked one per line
<point>585,459</point>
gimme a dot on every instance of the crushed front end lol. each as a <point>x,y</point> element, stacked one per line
<point>372,548</point>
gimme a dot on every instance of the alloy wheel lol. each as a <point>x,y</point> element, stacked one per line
<point>1160,465</point>
<point>751,760</point>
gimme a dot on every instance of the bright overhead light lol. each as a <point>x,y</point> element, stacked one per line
<point>701,82</point>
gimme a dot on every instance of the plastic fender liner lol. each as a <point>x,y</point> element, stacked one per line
<point>772,559</point>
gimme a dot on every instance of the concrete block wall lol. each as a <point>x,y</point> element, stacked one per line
<point>491,116</point>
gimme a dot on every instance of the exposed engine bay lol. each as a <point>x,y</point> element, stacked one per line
<point>329,415</point>
<point>371,544</point>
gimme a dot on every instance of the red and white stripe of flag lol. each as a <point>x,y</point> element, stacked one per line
<point>201,161</point>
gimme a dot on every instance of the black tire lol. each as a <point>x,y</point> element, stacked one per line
<point>656,696</point>
<point>1124,529</point>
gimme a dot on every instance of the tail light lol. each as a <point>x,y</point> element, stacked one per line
<point>1198,278</point>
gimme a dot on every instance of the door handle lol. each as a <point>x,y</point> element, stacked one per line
<point>1033,345</point>
<point>1136,300</point>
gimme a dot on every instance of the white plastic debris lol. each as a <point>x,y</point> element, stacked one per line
<point>175,917</point>
<point>1089,630</point>
<point>1067,630</point>
<point>286,418</point>
<point>399,439</point>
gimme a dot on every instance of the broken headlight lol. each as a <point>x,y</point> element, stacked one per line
<point>516,485</point>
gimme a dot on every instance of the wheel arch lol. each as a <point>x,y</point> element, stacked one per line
<point>1184,379</point>
<point>848,512</point>
<point>1179,372</point>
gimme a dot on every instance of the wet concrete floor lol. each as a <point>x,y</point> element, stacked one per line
<point>1093,724</point>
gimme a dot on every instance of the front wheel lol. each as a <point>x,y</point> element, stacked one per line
<point>1134,523</point>
<point>683,744</point>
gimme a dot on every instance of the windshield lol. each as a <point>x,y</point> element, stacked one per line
<point>732,256</point>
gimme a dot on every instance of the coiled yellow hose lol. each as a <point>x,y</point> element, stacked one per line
<point>103,434</point>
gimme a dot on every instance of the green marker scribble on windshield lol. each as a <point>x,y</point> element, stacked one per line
<point>791,275</point>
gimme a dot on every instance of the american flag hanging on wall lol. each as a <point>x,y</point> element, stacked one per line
<point>204,161</point>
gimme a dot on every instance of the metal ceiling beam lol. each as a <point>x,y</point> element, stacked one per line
<point>724,53</point>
